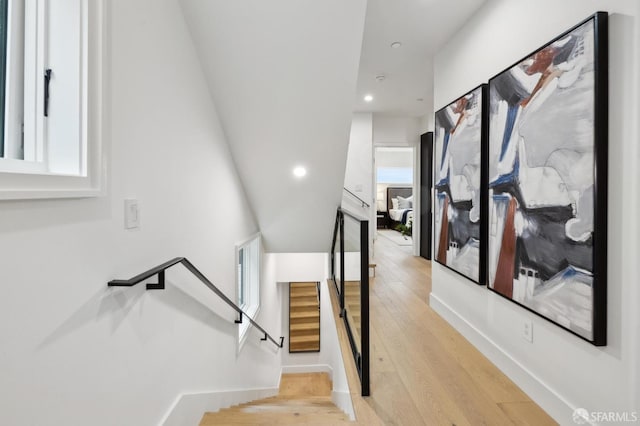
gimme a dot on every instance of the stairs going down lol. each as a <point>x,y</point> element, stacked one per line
<point>302,399</point>
<point>304,317</point>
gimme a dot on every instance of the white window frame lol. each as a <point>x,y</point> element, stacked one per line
<point>21,179</point>
<point>253,277</point>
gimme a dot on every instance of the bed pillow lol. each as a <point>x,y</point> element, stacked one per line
<point>410,200</point>
<point>404,203</point>
<point>395,204</point>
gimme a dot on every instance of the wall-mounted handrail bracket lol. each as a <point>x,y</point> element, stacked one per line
<point>264,338</point>
<point>364,203</point>
<point>159,285</point>
<point>159,271</point>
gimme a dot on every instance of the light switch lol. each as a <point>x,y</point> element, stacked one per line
<point>131,214</point>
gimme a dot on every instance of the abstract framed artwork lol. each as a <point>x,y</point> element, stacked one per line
<point>547,181</point>
<point>460,204</point>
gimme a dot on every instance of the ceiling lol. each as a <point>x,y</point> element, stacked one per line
<point>422,27</point>
<point>287,75</point>
<point>282,74</point>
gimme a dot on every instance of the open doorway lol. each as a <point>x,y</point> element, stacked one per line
<point>394,177</point>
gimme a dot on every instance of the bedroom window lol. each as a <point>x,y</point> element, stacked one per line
<point>248,281</point>
<point>394,175</point>
<point>50,101</point>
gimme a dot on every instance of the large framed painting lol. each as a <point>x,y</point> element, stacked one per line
<point>459,210</point>
<point>548,181</point>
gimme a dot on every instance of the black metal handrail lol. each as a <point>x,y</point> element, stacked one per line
<point>159,271</point>
<point>362,358</point>
<point>364,203</point>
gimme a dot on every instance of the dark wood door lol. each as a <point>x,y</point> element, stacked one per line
<point>426,181</point>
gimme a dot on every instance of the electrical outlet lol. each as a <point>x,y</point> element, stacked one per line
<point>527,331</point>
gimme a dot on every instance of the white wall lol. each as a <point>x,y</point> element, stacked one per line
<point>558,369</point>
<point>359,171</point>
<point>75,352</point>
<point>358,176</point>
<point>395,130</point>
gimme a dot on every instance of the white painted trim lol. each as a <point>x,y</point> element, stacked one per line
<point>342,400</point>
<point>188,408</point>
<point>539,391</point>
<point>34,183</point>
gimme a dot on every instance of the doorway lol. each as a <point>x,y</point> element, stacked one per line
<point>394,184</point>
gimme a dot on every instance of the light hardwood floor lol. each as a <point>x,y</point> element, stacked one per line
<point>423,372</point>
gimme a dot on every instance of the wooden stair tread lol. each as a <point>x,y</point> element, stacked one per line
<point>304,303</point>
<point>304,339</point>
<point>306,346</point>
<point>303,398</point>
<point>308,292</point>
<point>305,314</point>
<point>311,326</point>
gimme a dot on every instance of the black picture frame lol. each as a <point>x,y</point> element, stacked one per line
<point>460,173</point>
<point>547,180</point>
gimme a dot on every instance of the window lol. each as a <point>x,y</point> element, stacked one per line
<point>248,281</point>
<point>51,98</point>
<point>394,175</point>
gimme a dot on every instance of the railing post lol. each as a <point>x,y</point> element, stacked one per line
<point>341,264</point>
<point>364,306</point>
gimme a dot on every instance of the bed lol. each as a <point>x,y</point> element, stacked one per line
<point>402,213</point>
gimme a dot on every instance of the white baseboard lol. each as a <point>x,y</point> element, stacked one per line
<point>343,402</point>
<point>550,401</point>
<point>189,408</point>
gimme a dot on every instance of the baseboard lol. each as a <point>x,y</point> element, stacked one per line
<point>189,408</point>
<point>550,401</point>
<point>343,402</point>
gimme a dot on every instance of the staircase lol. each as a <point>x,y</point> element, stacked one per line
<point>302,399</point>
<point>304,317</point>
<point>352,305</point>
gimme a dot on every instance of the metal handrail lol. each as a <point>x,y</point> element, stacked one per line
<point>159,271</point>
<point>362,357</point>
<point>364,203</point>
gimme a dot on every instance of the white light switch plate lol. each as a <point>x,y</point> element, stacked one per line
<point>527,331</point>
<point>131,214</point>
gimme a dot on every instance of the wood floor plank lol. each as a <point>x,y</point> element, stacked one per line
<point>420,356</point>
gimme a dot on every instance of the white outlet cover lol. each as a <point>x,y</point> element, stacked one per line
<point>131,214</point>
<point>527,331</point>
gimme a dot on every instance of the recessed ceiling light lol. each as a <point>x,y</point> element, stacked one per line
<point>368,98</point>
<point>380,78</point>
<point>396,44</point>
<point>299,171</point>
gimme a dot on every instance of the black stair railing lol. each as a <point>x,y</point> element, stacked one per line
<point>159,271</point>
<point>351,237</point>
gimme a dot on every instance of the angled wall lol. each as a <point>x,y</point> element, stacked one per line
<point>560,371</point>
<point>74,352</point>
